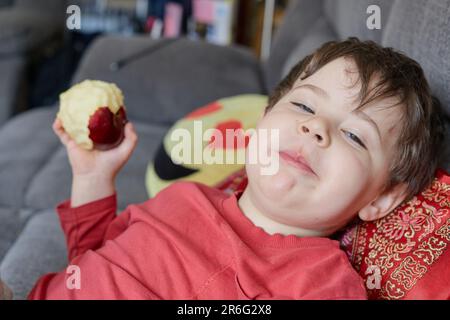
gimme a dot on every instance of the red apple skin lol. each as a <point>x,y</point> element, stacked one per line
<point>106,130</point>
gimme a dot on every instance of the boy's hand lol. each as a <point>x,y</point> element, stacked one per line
<point>94,171</point>
<point>95,162</point>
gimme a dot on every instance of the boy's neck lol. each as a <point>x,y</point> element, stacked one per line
<point>270,226</point>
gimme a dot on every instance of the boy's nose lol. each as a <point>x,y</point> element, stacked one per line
<point>317,129</point>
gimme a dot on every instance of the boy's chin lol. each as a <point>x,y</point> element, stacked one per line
<point>274,187</point>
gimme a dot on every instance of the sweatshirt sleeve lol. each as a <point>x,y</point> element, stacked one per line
<point>85,226</point>
<point>91,274</point>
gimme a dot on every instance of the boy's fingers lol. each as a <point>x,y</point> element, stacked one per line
<point>59,131</point>
<point>130,140</point>
<point>131,136</point>
<point>63,137</point>
<point>71,144</point>
<point>57,125</point>
<point>130,133</point>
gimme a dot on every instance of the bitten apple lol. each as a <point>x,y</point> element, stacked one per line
<point>93,114</point>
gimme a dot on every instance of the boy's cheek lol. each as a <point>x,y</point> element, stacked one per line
<point>346,173</point>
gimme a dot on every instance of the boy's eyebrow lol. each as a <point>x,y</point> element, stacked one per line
<point>365,117</point>
<point>317,90</point>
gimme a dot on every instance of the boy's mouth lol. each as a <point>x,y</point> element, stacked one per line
<point>296,160</point>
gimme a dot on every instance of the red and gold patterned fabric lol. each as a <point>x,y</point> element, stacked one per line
<point>405,255</point>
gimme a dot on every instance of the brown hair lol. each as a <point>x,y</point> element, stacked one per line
<point>396,76</point>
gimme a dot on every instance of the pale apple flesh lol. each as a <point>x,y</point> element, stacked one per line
<point>106,130</point>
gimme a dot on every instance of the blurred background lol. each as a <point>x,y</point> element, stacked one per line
<point>40,45</point>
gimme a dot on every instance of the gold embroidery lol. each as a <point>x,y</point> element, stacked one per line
<point>385,252</point>
<point>444,231</point>
<point>439,192</point>
<point>392,291</point>
<point>361,236</point>
<point>408,272</point>
<point>429,250</point>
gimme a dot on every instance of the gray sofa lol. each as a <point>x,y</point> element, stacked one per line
<point>162,86</point>
<point>27,28</point>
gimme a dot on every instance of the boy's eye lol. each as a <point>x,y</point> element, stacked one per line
<point>352,136</point>
<point>303,107</point>
<point>355,138</point>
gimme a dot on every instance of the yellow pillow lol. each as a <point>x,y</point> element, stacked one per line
<point>201,146</point>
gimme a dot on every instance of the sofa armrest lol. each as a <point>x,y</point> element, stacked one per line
<point>162,85</point>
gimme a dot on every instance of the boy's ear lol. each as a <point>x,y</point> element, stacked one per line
<point>384,204</point>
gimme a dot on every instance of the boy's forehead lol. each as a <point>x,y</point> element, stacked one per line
<point>339,76</point>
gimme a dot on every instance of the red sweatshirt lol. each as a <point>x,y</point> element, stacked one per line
<point>192,242</point>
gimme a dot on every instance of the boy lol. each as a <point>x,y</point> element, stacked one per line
<point>353,120</point>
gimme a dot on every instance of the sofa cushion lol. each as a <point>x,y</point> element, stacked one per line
<point>300,16</point>
<point>345,18</point>
<point>349,18</point>
<point>318,34</point>
<point>162,86</point>
<point>40,249</point>
<point>26,143</point>
<point>11,80</point>
<point>420,28</point>
<point>10,228</point>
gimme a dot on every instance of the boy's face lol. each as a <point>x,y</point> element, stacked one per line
<point>346,153</point>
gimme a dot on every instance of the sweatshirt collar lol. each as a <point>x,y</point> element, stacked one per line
<point>255,235</point>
